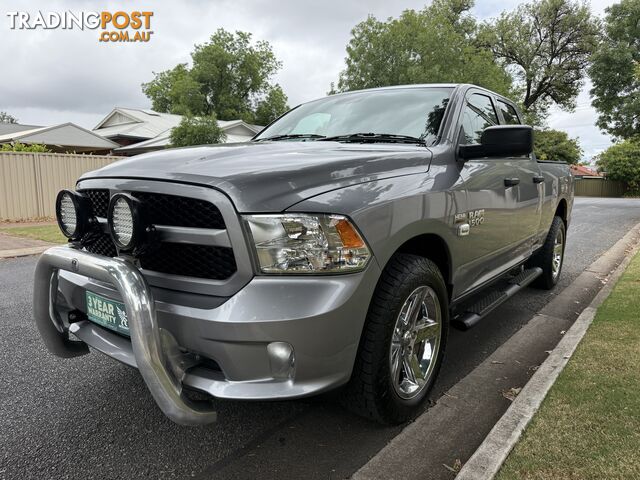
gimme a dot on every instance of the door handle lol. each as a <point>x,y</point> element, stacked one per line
<point>538,179</point>
<point>511,182</point>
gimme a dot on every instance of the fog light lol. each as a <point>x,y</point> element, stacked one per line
<point>125,222</point>
<point>281,360</point>
<point>73,213</point>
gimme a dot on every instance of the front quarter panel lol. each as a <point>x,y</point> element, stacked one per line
<point>392,211</point>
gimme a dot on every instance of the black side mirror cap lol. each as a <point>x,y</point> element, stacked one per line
<point>500,141</point>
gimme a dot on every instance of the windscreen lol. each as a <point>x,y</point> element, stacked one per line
<point>415,112</point>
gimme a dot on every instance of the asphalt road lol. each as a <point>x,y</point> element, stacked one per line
<point>92,417</point>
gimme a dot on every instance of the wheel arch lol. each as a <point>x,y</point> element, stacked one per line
<point>435,248</point>
<point>562,210</point>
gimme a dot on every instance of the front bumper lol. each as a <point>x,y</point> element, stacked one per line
<point>320,318</point>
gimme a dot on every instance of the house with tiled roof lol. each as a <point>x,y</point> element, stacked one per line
<point>582,171</point>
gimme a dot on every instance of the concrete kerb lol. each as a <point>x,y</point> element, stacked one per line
<point>24,252</point>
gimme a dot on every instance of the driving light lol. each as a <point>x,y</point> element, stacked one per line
<point>125,224</point>
<point>307,244</point>
<point>73,213</point>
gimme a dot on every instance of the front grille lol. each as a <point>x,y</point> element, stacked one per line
<point>99,201</point>
<point>178,211</point>
<point>102,245</point>
<point>200,261</point>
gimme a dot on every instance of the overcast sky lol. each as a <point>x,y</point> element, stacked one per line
<point>57,76</point>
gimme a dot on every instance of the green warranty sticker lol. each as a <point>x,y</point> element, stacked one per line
<point>107,313</point>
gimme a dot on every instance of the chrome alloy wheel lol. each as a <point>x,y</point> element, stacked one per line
<point>558,252</point>
<point>415,342</point>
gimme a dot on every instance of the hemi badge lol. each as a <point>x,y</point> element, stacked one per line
<point>460,217</point>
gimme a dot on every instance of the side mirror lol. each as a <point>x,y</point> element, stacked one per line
<point>500,141</point>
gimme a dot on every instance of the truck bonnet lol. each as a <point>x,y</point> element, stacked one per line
<point>270,177</point>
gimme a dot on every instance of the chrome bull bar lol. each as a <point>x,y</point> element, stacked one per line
<point>159,370</point>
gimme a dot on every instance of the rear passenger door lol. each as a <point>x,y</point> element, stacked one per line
<point>529,191</point>
<point>492,200</point>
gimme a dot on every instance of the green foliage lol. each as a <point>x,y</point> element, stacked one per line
<point>556,145</point>
<point>621,161</point>
<point>615,71</point>
<point>23,147</point>
<point>6,118</point>
<point>229,77</point>
<point>272,106</point>
<point>175,91</point>
<point>546,45</point>
<point>197,131</point>
<point>435,44</point>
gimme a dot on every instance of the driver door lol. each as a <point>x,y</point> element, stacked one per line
<point>491,198</point>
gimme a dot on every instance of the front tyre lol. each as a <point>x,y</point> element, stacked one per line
<point>551,256</point>
<point>403,341</point>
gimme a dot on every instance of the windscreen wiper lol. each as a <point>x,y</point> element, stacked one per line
<point>374,137</point>
<point>290,136</point>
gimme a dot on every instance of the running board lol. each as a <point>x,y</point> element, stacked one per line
<point>477,311</point>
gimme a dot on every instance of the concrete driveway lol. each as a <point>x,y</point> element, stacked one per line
<point>91,417</point>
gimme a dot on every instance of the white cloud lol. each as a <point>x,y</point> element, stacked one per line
<point>54,76</point>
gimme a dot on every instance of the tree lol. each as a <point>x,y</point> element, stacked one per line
<point>229,77</point>
<point>6,118</point>
<point>197,131</point>
<point>175,91</point>
<point>546,45</point>
<point>615,71</point>
<point>621,161</point>
<point>272,106</point>
<point>556,145</point>
<point>435,44</point>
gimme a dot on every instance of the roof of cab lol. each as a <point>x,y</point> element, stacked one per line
<point>397,87</point>
<point>461,86</point>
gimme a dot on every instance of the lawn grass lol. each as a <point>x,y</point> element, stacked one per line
<point>47,233</point>
<point>588,427</point>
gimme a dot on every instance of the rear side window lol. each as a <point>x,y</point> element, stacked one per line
<point>508,113</point>
<point>478,114</point>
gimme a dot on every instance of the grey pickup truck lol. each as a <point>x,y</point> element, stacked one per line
<point>335,249</point>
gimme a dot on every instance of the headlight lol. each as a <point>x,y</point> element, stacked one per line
<point>73,212</point>
<point>303,243</point>
<point>125,224</point>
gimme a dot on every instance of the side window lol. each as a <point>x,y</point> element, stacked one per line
<point>508,113</point>
<point>477,115</point>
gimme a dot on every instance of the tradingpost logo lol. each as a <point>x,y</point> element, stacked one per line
<point>113,27</point>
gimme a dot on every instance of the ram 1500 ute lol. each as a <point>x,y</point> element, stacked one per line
<point>334,249</point>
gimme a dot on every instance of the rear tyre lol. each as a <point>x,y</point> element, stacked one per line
<point>403,342</point>
<point>551,256</point>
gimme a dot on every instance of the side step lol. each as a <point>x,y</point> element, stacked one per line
<point>477,311</point>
